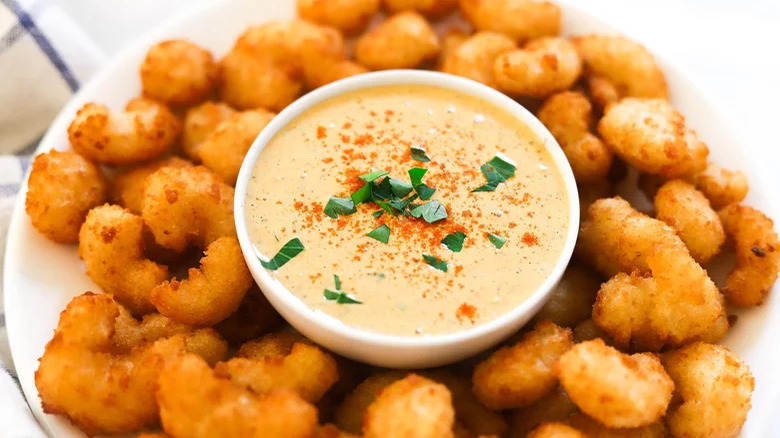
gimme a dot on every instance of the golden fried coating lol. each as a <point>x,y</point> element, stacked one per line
<point>290,42</point>
<point>571,302</point>
<point>616,238</point>
<point>474,416</point>
<point>651,136</point>
<point>187,206</point>
<point>349,414</point>
<point>331,431</point>
<point>542,67</point>
<point>519,375</point>
<point>593,429</point>
<point>758,254</point>
<point>519,19</point>
<point>128,186</point>
<point>199,122</point>
<point>329,70</point>
<point>430,8</point>
<point>588,330</point>
<point>195,402</point>
<point>592,192</point>
<point>601,91</point>
<point>568,115</point>
<point>254,317</point>
<point>211,292</point>
<point>627,65</point>
<point>348,16</point>
<point>145,130</point>
<point>278,344</point>
<point>618,390</point>
<point>307,370</point>
<point>672,307</point>
<point>62,188</point>
<point>100,390</point>
<point>688,211</point>
<point>249,80</point>
<point>720,185</point>
<point>553,407</point>
<point>473,57</point>
<point>223,149</point>
<point>556,430</point>
<point>178,73</point>
<point>405,40</point>
<point>413,407</point>
<point>712,391</point>
<point>111,243</point>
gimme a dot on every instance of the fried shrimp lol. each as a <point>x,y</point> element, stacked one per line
<point>593,429</point>
<point>223,149</point>
<point>673,306</point>
<point>349,414</point>
<point>542,67</point>
<point>521,20</point>
<point>348,16</point>
<point>82,375</point>
<point>758,254</point>
<point>568,116</point>
<point>211,292</point>
<point>519,375</point>
<point>713,387</point>
<point>111,243</point>
<point>616,238</point>
<point>720,185</point>
<point>430,8</point>
<point>178,73</point>
<point>253,317</point>
<point>307,370</point>
<point>146,130</point>
<point>290,42</point>
<point>413,407</point>
<point>128,187</point>
<point>187,206</point>
<point>617,389</point>
<point>553,407</point>
<point>688,211</point>
<point>249,81</point>
<point>195,402</point>
<point>571,302</point>
<point>473,58</point>
<point>651,136</point>
<point>62,188</point>
<point>199,122</point>
<point>405,40</point>
<point>555,430</point>
<point>601,91</point>
<point>478,419</point>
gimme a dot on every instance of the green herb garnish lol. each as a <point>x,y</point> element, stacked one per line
<point>496,171</point>
<point>386,207</point>
<point>416,175</point>
<point>288,251</point>
<point>400,188</point>
<point>339,206</point>
<point>337,281</point>
<point>418,154</point>
<point>431,211</point>
<point>496,240</point>
<point>338,295</point>
<point>381,233</point>
<point>454,241</point>
<point>363,194</point>
<point>377,213</point>
<point>436,263</point>
<point>424,191</point>
<point>371,176</point>
<point>383,190</point>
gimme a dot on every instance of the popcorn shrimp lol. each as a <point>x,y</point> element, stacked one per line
<point>473,58</point>
<point>405,40</point>
<point>199,122</point>
<point>542,67</point>
<point>593,429</point>
<point>617,389</point>
<point>254,316</point>
<point>62,188</point>
<point>178,73</point>
<point>601,91</point>
<point>478,419</point>
<point>250,81</point>
<point>348,16</point>
<point>521,20</point>
<point>572,300</point>
<point>329,70</point>
<point>431,8</point>
<point>720,185</point>
<point>555,430</point>
<point>349,414</point>
<point>553,407</point>
<point>128,187</point>
<point>145,130</point>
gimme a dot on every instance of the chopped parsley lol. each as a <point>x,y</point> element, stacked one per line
<point>454,241</point>
<point>496,171</point>
<point>418,154</point>
<point>416,175</point>
<point>400,188</point>
<point>337,281</point>
<point>496,240</point>
<point>424,191</point>
<point>386,207</point>
<point>436,263</point>
<point>381,233</point>
<point>339,207</point>
<point>363,194</point>
<point>383,190</point>
<point>431,211</point>
<point>377,213</point>
<point>288,251</point>
<point>371,176</point>
<point>338,295</point>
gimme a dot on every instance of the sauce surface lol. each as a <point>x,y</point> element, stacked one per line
<point>323,152</point>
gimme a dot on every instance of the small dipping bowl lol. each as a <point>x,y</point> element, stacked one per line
<point>394,351</point>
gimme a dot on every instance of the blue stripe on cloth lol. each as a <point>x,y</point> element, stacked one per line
<point>26,21</point>
<point>9,190</point>
<point>10,37</point>
<point>24,163</point>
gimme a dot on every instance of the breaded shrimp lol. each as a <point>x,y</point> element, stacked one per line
<point>349,414</point>
<point>713,387</point>
<point>555,430</point>
<point>413,407</point>
<point>542,67</point>
<point>758,254</point>
<point>329,70</point>
<point>474,416</point>
<point>290,43</point>
<point>473,58</point>
<point>249,81</point>
<point>521,20</point>
<point>254,317</point>
<point>593,429</point>
<point>519,375</point>
<point>571,302</point>
<point>348,16</point>
<point>568,115</point>
<point>720,185</point>
<point>145,130</point>
<point>617,389</point>
<point>553,407</point>
<point>178,73</point>
<point>187,206</point>
<point>199,122</point>
<point>128,186</point>
<point>430,8</point>
<point>111,243</point>
<point>601,91</point>
<point>405,40</point>
<point>195,402</point>
<point>62,188</point>
<point>331,431</point>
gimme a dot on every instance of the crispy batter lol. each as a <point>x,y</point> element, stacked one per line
<point>758,254</point>
<point>592,192</point>
<point>712,391</point>
<point>178,72</point>
<point>199,122</point>
<point>588,330</point>
<point>249,81</point>
<point>145,130</point>
<point>288,42</point>
<point>473,57</point>
<point>553,407</point>
<point>405,40</point>
<point>519,375</point>
<point>348,16</point>
<point>616,389</point>
<point>254,317</point>
<point>62,188</point>
<point>518,19</point>
<point>430,8</point>
<point>555,430</point>
<point>720,185</point>
<point>568,115</point>
<point>542,67</point>
<point>571,302</point>
<point>331,431</point>
<point>601,91</point>
<point>128,186</point>
<point>593,429</point>
<point>277,344</point>
<point>349,414</point>
<point>329,70</point>
<point>474,416</point>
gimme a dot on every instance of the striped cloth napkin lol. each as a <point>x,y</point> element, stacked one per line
<point>44,57</point>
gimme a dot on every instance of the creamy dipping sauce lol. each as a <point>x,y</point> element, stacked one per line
<point>323,152</point>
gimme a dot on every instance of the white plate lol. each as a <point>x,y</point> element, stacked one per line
<point>41,277</point>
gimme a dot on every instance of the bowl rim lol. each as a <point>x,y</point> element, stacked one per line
<point>270,285</point>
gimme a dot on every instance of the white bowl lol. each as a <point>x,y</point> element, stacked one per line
<point>391,350</point>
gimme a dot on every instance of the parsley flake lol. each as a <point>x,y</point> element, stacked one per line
<point>400,188</point>
<point>496,240</point>
<point>381,233</point>
<point>431,211</point>
<point>339,206</point>
<point>496,171</point>
<point>338,295</point>
<point>377,213</point>
<point>418,154</point>
<point>370,177</point>
<point>288,251</point>
<point>436,263</point>
<point>416,175</point>
<point>363,194</point>
<point>454,241</point>
<point>337,281</point>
